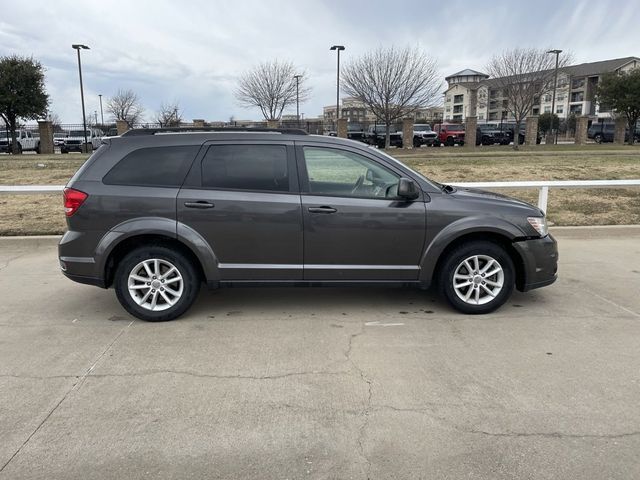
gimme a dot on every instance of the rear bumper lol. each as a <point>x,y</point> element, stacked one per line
<point>75,255</point>
<point>540,262</point>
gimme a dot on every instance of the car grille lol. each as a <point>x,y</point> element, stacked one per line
<point>73,142</point>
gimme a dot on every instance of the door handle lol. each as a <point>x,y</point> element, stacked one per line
<point>199,204</point>
<point>323,209</point>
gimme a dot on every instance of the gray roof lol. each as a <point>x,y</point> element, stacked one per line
<point>467,72</point>
<point>598,68</point>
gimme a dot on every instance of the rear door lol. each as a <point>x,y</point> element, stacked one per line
<point>355,227</point>
<point>243,198</point>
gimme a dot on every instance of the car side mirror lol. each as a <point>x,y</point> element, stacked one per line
<point>407,189</point>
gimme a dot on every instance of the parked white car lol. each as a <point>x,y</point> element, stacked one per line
<point>73,142</point>
<point>26,141</point>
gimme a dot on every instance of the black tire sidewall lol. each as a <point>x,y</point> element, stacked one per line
<point>189,274</point>
<point>453,259</point>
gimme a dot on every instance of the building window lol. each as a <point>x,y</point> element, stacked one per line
<point>481,116</point>
<point>457,118</point>
<point>448,109</point>
<point>457,109</point>
<point>577,83</point>
<point>559,109</point>
<point>547,109</point>
<point>547,98</point>
<point>576,109</point>
<point>448,98</point>
<point>577,96</point>
<point>535,111</point>
<point>493,116</point>
<point>561,98</point>
<point>458,99</point>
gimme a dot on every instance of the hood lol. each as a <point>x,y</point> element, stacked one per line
<point>496,199</point>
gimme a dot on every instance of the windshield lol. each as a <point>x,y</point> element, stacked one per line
<point>422,128</point>
<point>454,128</point>
<point>78,133</point>
<point>59,135</point>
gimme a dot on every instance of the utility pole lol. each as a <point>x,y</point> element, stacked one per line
<point>338,48</point>
<point>297,77</point>
<point>79,47</point>
<point>101,113</point>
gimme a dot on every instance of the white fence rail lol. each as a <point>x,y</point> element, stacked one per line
<point>543,187</point>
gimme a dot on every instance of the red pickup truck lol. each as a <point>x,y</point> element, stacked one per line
<point>450,133</point>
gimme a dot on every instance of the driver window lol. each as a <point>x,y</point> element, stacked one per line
<point>346,174</point>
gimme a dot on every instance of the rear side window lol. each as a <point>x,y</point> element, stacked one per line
<point>153,167</point>
<point>246,167</point>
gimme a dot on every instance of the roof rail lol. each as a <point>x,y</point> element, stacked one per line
<point>152,131</point>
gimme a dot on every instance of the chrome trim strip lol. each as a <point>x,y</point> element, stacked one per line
<point>284,266</point>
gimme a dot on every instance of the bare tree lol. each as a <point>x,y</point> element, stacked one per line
<point>393,83</point>
<point>169,115</point>
<point>523,75</point>
<point>125,105</point>
<point>271,87</point>
<point>55,120</point>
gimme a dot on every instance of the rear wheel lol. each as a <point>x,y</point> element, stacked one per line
<point>449,142</point>
<point>156,283</point>
<point>477,277</point>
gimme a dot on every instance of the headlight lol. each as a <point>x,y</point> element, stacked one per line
<point>540,225</point>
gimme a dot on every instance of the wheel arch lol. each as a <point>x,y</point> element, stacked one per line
<point>437,251</point>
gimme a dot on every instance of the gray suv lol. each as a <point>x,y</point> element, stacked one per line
<point>155,213</point>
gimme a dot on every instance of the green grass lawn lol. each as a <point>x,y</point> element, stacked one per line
<point>42,214</point>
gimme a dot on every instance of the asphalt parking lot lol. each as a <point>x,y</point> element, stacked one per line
<point>324,383</point>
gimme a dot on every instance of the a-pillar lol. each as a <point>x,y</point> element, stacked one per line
<point>470,132</point>
<point>581,129</point>
<point>531,131</point>
<point>46,137</point>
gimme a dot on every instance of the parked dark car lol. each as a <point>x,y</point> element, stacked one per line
<point>489,135</point>
<point>605,132</point>
<point>376,136</point>
<point>156,212</point>
<point>509,129</point>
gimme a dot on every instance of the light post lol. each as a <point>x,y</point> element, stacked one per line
<point>79,47</point>
<point>297,77</point>
<point>553,98</point>
<point>101,113</point>
<point>338,48</point>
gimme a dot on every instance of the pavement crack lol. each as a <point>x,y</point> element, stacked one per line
<point>9,260</point>
<point>367,407</point>
<point>555,434</point>
<point>36,377</point>
<point>218,376</point>
<point>75,386</point>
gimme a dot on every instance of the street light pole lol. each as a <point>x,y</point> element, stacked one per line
<point>297,77</point>
<point>553,98</point>
<point>101,113</point>
<point>338,48</point>
<point>79,47</point>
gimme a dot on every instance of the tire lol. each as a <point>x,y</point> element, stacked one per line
<point>38,148</point>
<point>449,142</point>
<point>19,151</point>
<point>188,285</point>
<point>489,255</point>
<point>598,138</point>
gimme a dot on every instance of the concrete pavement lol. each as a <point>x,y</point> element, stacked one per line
<point>324,383</point>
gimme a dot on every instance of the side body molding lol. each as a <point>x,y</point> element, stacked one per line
<point>464,226</point>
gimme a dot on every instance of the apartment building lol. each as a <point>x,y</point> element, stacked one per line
<point>472,93</point>
<point>355,111</point>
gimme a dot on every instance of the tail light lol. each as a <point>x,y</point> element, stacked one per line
<point>73,199</point>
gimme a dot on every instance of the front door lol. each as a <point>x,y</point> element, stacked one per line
<point>355,226</point>
<point>244,200</point>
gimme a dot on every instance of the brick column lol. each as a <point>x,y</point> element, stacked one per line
<point>531,131</point>
<point>342,128</point>
<point>46,137</point>
<point>470,132</point>
<point>198,123</point>
<point>122,126</point>
<point>581,129</point>
<point>618,134</point>
<point>407,133</point>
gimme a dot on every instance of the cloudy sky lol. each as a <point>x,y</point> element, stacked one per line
<point>192,52</point>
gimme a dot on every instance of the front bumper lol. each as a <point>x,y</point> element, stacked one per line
<point>539,261</point>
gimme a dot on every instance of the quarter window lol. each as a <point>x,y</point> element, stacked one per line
<point>246,167</point>
<point>153,167</point>
<point>346,174</point>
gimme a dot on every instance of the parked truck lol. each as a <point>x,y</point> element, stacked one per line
<point>26,141</point>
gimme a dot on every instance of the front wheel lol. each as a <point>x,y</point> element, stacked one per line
<point>156,283</point>
<point>598,138</point>
<point>477,277</point>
